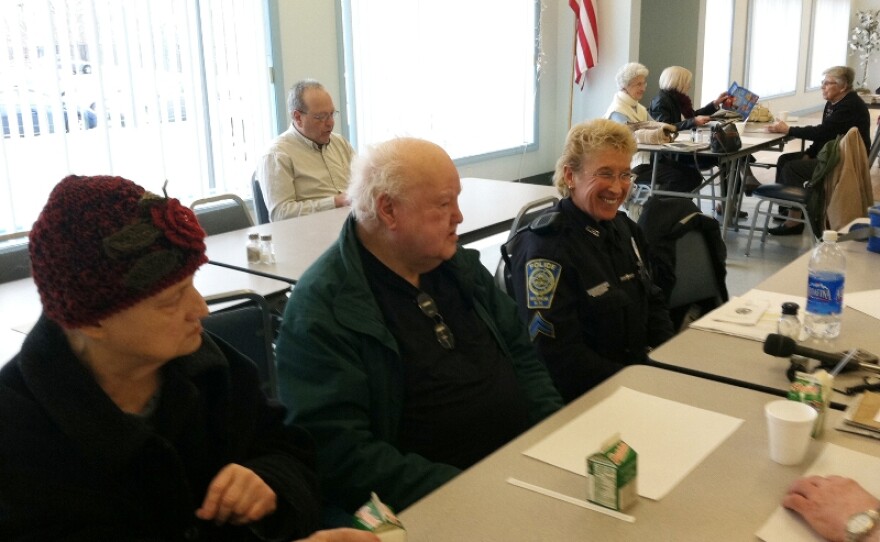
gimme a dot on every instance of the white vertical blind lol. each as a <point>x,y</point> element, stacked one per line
<point>716,49</point>
<point>147,89</point>
<point>828,38</point>
<point>774,46</point>
<point>460,73</point>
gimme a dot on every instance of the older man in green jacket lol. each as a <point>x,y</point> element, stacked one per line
<point>397,351</point>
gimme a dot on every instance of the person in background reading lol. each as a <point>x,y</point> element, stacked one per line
<point>837,508</point>
<point>843,110</point>
<point>397,351</point>
<point>306,169</point>
<point>632,79</point>
<point>579,271</point>
<point>673,105</point>
<point>121,419</point>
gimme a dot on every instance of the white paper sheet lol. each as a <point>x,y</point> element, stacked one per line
<point>671,438</point>
<point>764,326</point>
<point>786,526</point>
<point>867,302</point>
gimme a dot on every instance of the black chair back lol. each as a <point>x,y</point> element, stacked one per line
<point>15,262</point>
<point>248,329</point>
<point>259,202</point>
<point>222,213</point>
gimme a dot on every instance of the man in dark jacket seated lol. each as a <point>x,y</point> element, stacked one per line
<point>397,351</point>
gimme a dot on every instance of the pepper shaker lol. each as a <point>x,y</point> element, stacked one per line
<point>788,324</point>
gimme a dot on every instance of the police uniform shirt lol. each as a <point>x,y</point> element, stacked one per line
<point>585,293</point>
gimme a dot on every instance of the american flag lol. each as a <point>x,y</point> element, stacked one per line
<point>586,37</point>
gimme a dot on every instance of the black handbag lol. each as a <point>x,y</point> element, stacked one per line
<point>725,138</point>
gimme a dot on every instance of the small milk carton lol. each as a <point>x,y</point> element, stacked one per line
<point>377,518</point>
<point>815,390</point>
<point>611,475</point>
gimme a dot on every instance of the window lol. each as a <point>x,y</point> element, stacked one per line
<point>460,73</point>
<point>829,38</point>
<point>716,48</point>
<point>774,43</point>
<point>149,90</point>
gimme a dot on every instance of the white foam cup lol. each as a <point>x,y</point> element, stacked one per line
<point>789,428</point>
<point>740,127</point>
<point>782,115</point>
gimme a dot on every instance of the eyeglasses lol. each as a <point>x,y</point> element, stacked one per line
<point>441,330</point>
<point>627,177</point>
<point>827,83</point>
<point>321,117</point>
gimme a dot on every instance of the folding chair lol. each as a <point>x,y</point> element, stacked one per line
<point>222,213</point>
<point>687,258</point>
<point>247,327</point>
<point>259,201</point>
<point>15,260</point>
<point>523,218</point>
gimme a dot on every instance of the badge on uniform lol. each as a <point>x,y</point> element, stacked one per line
<point>542,277</point>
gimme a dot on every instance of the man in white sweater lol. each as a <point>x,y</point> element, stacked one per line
<point>306,169</point>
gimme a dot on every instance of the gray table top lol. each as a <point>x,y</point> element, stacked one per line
<point>728,496</point>
<point>488,207</point>
<point>714,355</point>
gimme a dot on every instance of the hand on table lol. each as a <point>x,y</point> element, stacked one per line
<point>826,503</point>
<point>341,535</point>
<point>779,127</point>
<point>238,496</point>
<point>701,120</point>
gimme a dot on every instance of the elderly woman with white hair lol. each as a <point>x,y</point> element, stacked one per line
<point>673,104</point>
<point>632,80</point>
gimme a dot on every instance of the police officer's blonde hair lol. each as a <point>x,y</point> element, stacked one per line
<point>587,138</point>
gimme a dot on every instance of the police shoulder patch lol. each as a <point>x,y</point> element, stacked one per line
<point>542,277</point>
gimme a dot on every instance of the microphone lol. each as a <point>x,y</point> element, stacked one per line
<point>785,347</point>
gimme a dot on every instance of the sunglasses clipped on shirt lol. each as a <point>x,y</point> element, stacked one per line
<point>441,330</point>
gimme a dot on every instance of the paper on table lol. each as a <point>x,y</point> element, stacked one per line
<point>671,438</point>
<point>786,526</point>
<point>764,326</point>
<point>867,302</point>
<point>742,310</point>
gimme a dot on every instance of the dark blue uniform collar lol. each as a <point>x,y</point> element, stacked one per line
<point>582,221</point>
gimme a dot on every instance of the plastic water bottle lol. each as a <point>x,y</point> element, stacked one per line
<point>827,272</point>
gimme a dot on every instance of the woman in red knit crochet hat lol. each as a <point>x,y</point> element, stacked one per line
<point>121,419</point>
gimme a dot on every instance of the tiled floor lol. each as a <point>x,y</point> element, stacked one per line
<point>743,272</point>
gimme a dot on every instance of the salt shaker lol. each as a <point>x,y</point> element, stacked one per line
<point>267,249</point>
<point>789,325</point>
<point>253,248</point>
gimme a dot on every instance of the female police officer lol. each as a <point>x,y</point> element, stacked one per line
<point>579,271</point>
